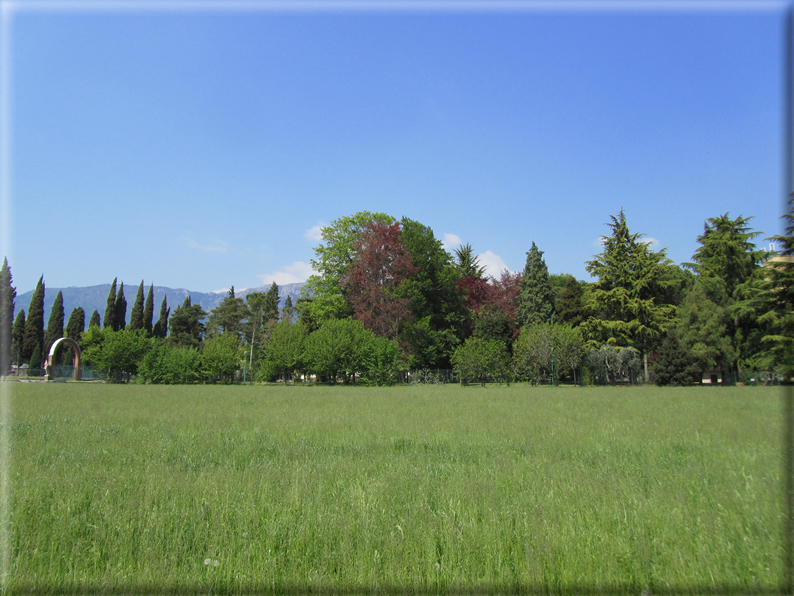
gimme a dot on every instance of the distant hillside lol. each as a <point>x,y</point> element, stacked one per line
<point>93,298</point>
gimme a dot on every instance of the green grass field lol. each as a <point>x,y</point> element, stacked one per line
<point>255,489</point>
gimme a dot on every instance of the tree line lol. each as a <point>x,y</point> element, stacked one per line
<point>387,297</point>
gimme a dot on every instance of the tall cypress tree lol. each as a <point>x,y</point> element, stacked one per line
<point>7,295</point>
<point>148,310</point>
<point>17,336</point>
<point>136,316</point>
<point>76,324</point>
<point>160,328</point>
<point>55,324</point>
<point>34,324</point>
<point>536,296</point>
<point>120,309</point>
<point>95,320</point>
<point>109,322</point>
<point>74,330</point>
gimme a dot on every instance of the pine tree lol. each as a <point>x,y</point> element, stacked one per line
<point>109,321</point>
<point>271,303</point>
<point>148,310</point>
<point>136,316</point>
<point>628,298</point>
<point>54,324</point>
<point>95,320</point>
<point>160,328</point>
<point>76,324</point>
<point>536,296</point>
<point>17,336</point>
<point>468,265</point>
<point>7,295</point>
<point>120,310</point>
<point>34,324</point>
<point>185,327</point>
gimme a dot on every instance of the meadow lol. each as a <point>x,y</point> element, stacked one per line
<point>436,489</point>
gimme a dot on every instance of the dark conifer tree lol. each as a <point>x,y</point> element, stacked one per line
<point>536,296</point>
<point>7,295</point>
<point>36,359</point>
<point>160,328</point>
<point>120,309</point>
<point>570,307</point>
<point>54,324</point>
<point>34,324</point>
<point>74,330</point>
<point>95,320</point>
<point>136,316</point>
<point>148,310</point>
<point>271,303</point>
<point>109,322</point>
<point>76,324</point>
<point>288,310</point>
<point>17,336</point>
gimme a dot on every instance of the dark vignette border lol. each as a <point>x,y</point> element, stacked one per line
<point>786,586</point>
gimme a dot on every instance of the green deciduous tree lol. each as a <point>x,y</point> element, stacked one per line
<point>536,296</point>
<point>136,315</point>
<point>116,353</point>
<point>614,363</point>
<point>109,320</point>
<point>628,297</point>
<point>148,311</point>
<point>221,358</point>
<point>547,352</point>
<point>478,360</point>
<point>171,365</point>
<point>334,350</point>
<point>7,295</point>
<point>494,324</point>
<point>284,350</point>
<point>332,259</point>
<point>34,323</point>
<point>440,318</point>
<point>54,324</point>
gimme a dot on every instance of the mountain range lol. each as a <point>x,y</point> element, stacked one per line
<point>93,298</point>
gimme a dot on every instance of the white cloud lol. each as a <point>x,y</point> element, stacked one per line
<point>297,272</point>
<point>650,241</point>
<point>451,242</point>
<point>215,245</point>
<point>492,262</point>
<point>599,243</point>
<point>316,233</point>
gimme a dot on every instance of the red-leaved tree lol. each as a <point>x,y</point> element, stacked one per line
<point>503,293</point>
<point>373,280</point>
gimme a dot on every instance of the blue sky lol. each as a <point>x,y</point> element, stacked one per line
<point>202,148</point>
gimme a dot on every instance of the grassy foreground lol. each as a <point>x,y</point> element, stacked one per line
<point>257,489</point>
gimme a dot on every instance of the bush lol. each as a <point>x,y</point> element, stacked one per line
<point>480,359</point>
<point>170,365</point>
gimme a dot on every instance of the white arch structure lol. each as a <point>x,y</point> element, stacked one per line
<point>78,357</point>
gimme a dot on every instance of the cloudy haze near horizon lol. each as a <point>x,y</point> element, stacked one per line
<point>202,149</point>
